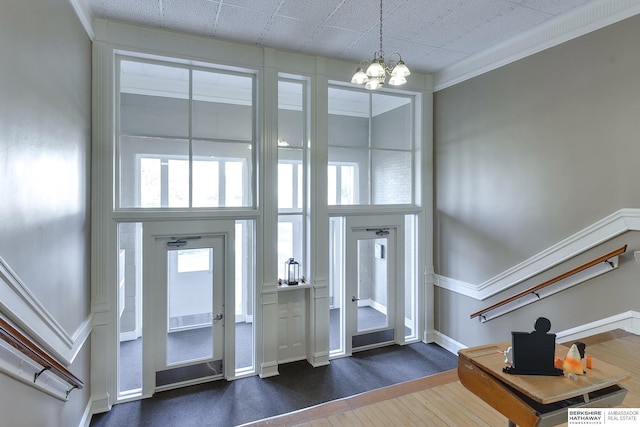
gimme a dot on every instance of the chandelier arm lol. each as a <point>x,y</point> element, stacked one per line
<point>391,61</point>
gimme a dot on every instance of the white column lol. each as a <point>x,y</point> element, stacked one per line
<point>319,226</point>
<point>103,236</point>
<point>268,152</point>
<point>425,241</point>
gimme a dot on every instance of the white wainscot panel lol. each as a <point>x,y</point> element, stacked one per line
<point>292,326</point>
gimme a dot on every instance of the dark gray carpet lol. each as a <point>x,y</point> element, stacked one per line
<point>223,403</point>
<point>368,317</point>
<point>182,345</point>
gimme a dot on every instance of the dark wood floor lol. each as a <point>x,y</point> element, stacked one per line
<point>437,400</point>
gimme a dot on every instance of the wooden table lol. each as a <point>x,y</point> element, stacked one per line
<point>536,400</point>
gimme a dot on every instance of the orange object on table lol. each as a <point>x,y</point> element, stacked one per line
<point>557,362</point>
<point>480,370</point>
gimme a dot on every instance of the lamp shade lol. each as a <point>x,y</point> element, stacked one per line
<point>397,80</point>
<point>375,69</point>
<point>374,84</point>
<point>400,70</point>
<point>359,77</point>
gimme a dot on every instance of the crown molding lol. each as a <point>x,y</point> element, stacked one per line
<point>607,228</point>
<point>85,15</point>
<point>581,21</point>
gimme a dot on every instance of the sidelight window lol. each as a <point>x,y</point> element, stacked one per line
<point>292,171</point>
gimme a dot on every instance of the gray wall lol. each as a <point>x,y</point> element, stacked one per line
<point>527,155</point>
<point>610,294</point>
<point>45,121</point>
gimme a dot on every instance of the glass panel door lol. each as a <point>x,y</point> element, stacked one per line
<point>192,309</point>
<point>371,275</point>
<point>190,305</point>
<point>372,281</point>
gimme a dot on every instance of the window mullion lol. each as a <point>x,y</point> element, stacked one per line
<point>164,181</point>
<point>222,183</point>
<point>370,154</point>
<point>294,195</point>
<point>190,137</point>
<point>338,185</point>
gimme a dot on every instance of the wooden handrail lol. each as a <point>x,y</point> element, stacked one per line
<point>534,289</point>
<point>27,347</point>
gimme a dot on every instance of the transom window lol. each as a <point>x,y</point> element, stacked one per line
<point>186,136</point>
<point>371,148</point>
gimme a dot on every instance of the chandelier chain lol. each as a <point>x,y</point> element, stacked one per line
<point>381,26</point>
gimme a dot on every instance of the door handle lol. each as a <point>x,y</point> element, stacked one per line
<point>354,299</point>
<point>218,316</point>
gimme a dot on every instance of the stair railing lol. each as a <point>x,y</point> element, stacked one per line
<point>535,289</point>
<point>20,342</point>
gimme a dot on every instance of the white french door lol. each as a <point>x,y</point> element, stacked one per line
<point>184,308</point>
<point>373,283</point>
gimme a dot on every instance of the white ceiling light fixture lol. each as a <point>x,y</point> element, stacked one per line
<point>378,70</point>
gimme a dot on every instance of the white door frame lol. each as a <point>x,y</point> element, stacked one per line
<point>356,227</point>
<point>152,299</point>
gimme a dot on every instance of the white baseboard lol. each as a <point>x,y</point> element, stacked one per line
<point>448,343</point>
<point>85,421</point>
<point>291,359</point>
<point>99,404</point>
<point>628,321</point>
<point>269,369</point>
<point>320,358</point>
<point>368,302</point>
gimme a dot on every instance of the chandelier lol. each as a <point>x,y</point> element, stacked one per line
<point>378,70</point>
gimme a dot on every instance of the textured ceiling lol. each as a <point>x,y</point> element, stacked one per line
<point>429,34</point>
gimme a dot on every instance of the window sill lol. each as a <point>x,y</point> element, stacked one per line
<point>293,287</point>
